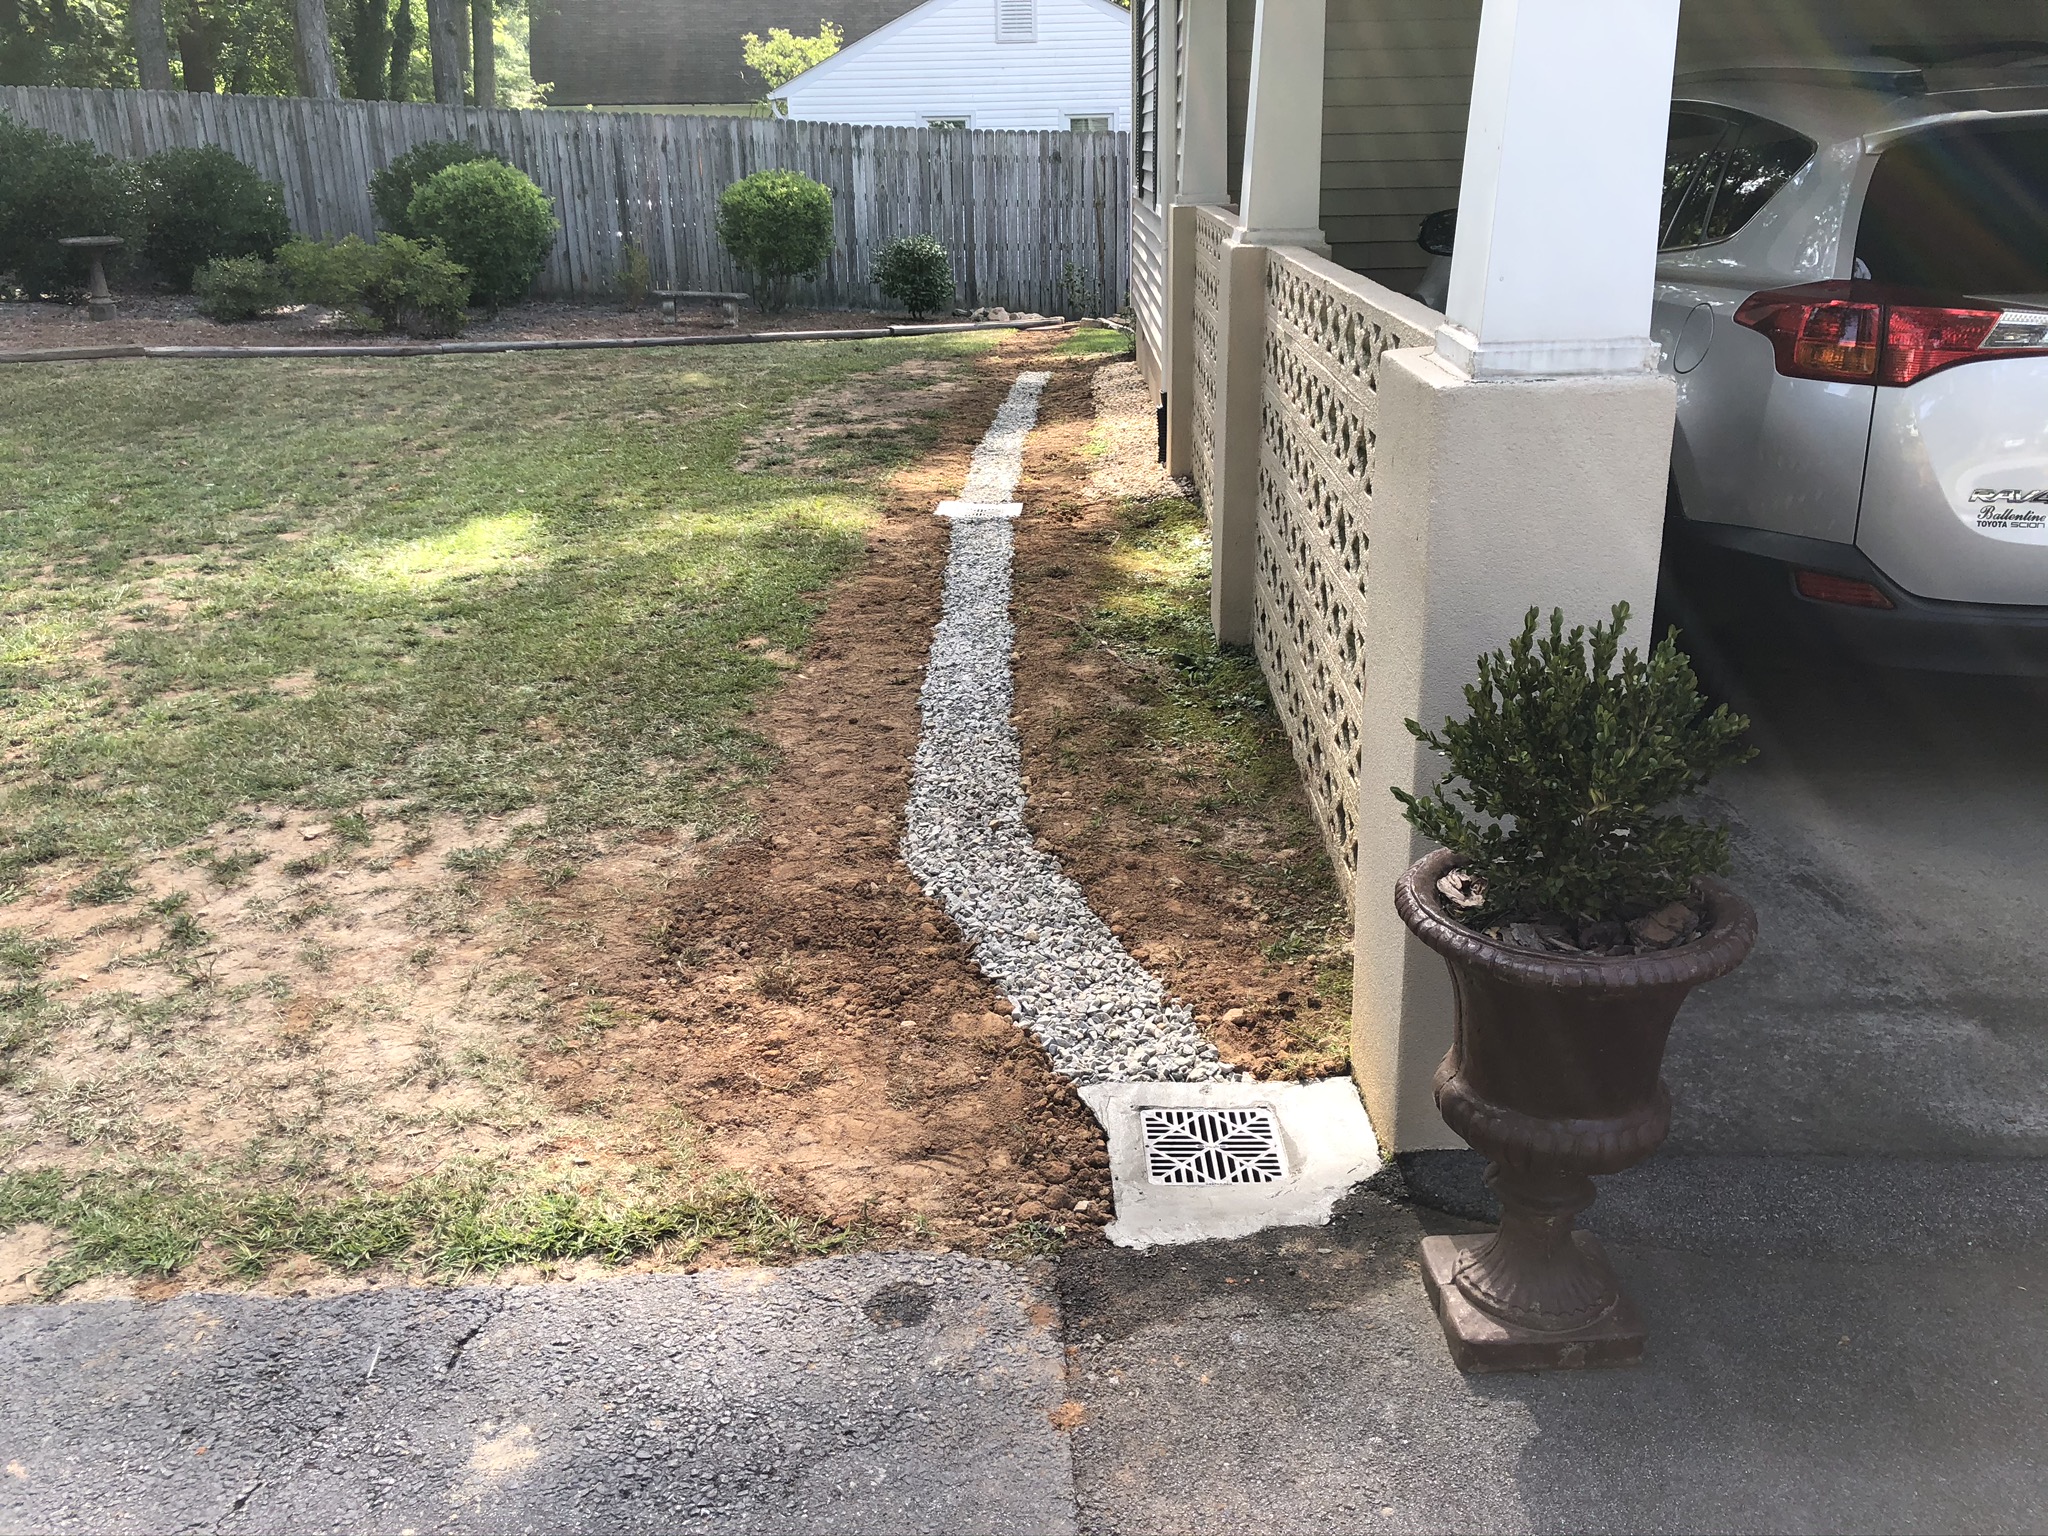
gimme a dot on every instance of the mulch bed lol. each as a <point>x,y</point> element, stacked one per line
<point>156,320</point>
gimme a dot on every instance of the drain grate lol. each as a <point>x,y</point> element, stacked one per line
<point>1211,1146</point>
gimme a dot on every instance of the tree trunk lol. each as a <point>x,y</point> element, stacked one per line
<point>313,49</point>
<point>483,33</point>
<point>446,35</point>
<point>404,32</point>
<point>152,45</point>
<point>199,56</point>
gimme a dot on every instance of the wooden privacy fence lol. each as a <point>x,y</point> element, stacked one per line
<point>1035,221</point>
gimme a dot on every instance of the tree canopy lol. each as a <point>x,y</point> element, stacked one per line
<point>783,54</point>
<point>244,47</point>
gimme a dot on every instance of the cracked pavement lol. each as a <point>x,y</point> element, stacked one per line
<point>1815,1364</point>
<point>890,1393</point>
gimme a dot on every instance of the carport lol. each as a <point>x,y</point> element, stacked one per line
<point>1389,488</point>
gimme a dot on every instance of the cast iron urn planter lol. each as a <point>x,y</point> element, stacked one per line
<point>1553,1076</point>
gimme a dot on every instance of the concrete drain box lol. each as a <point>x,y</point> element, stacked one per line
<point>1192,1144</point>
<point>1194,1161</point>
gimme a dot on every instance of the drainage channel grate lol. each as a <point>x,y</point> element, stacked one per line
<point>1211,1146</point>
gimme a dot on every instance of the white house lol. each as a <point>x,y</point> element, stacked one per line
<point>1062,64</point>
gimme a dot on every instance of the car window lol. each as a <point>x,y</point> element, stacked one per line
<point>1961,209</point>
<point>1764,158</point>
<point>1693,138</point>
<point>1719,171</point>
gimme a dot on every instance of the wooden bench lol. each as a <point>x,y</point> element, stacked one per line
<point>673,299</point>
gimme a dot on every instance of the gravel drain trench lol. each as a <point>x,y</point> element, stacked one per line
<point>1101,1016</point>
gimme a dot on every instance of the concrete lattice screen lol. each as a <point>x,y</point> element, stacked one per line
<point>1324,331</point>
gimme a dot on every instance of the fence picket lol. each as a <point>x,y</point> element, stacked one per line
<point>1013,207</point>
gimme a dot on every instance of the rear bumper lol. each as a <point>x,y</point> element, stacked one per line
<point>1743,577</point>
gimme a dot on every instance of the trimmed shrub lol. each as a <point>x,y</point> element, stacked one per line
<point>239,288</point>
<point>917,273</point>
<point>777,226</point>
<point>51,188</point>
<point>392,189</point>
<point>396,284</point>
<point>494,221</point>
<point>201,203</point>
<point>1562,776</point>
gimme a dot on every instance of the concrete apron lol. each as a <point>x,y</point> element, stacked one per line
<point>1197,1151</point>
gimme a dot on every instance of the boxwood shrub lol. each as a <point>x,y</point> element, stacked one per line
<point>239,288</point>
<point>777,226</point>
<point>917,273</point>
<point>51,188</point>
<point>396,284</point>
<point>201,203</point>
<point>392,189</point>
<point>491,219</point>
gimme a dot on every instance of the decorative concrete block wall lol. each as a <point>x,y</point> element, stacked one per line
<point>1212,228</point>
<point>1326,330</point>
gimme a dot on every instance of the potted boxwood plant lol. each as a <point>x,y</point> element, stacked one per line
<point>1576,909</point>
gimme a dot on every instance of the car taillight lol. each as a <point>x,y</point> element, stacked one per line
<point>1919,339</point>
<point>1860,333</point>
<point>1823,588</point>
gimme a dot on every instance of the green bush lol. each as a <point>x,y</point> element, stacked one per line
<point>917,273</point>
<point>392,189</point>
<point>239,288</point>
<point>1564,767</point>
<point>493,220</point>
<point>777,226</point>
<point>396,284</point>
<point>201,203</point>
<point>51,188</point>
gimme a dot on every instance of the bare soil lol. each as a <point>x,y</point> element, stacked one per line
<point>166,320</point>
<point>1187,877</point>
<point>828,427</point>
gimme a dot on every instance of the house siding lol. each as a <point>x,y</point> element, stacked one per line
<point>1397,86</point>
<point>943,60</point>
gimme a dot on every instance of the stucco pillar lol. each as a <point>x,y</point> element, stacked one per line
<point>1234,489</point>
<point>1490,499</point>
<point>1279,203</point>
<point>1203,178</point>
<point>1521,461</point>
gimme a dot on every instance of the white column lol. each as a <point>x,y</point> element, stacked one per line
<point>1205,106</point>
<point>1557,212</point>
<point>1280,196</point>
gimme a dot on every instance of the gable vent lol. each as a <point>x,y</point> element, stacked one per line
<point>1016,21</point>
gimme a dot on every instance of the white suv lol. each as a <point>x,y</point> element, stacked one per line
<point>1852,293</point>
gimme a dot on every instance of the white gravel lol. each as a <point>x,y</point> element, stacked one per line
<point>1101,1016</point>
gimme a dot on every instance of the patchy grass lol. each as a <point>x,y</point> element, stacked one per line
<point>1204,708</point>
<point>149,1222</point>
<point>474,585</point>
<point>333,696</point>
<point>1096,341</point>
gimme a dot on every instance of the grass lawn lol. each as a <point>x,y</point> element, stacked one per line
<point>316,678</point>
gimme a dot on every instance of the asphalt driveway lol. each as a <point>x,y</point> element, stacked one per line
<point>1893,834</point>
